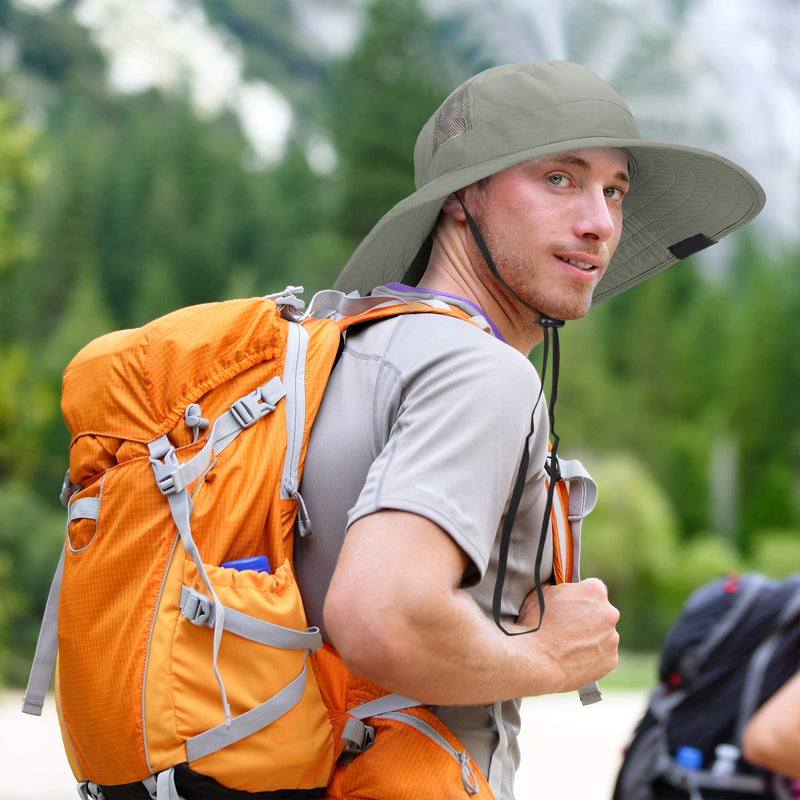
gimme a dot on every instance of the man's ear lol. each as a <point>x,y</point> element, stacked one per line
<point>453,208</point>
<point>470,196</point>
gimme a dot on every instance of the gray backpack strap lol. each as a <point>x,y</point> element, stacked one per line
<point>382,705</point>
<point>582,500</point>
<point>695,657</point>
<point>590,694</point>
<point>46,648</point>
<point>294,381</point>
<point>44,659</point>
<point>357,735</point>
<point>200,610</point>
<point>251,721</point>
<point>330,304</point>
<point>582,491</point>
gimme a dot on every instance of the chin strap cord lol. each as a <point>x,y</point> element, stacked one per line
<point>550,326</point>
<point>552,464</point>
<point>519,486</point>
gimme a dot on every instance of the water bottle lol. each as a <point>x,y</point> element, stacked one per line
<point>256,563</point>
<point>726,756</point>
<point>689,758</point>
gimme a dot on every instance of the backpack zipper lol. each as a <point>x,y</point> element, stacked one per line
<point>294,381</point>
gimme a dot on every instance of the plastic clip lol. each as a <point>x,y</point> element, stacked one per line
<point>197,608</point>
<point>553,468</point>
<point>357,737</point>
<point>549,322</point>
<point>68,488</point>
<point>167,473</point>
<point>249,410</point>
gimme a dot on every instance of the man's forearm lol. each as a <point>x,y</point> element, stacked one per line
<point>410,629</point>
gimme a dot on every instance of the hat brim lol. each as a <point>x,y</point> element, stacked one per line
<point>680,200</point>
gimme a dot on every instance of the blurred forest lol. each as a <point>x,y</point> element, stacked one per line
<point>680,396</point>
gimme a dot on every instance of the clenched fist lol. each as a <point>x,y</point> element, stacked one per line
<point>578,638</point>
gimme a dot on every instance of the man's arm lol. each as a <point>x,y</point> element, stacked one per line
<point>396,614</point>
<point>772,737</point>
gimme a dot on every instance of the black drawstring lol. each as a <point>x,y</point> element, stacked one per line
<point>519,487</point>
<point>550,326</point>
<point>552,463</point>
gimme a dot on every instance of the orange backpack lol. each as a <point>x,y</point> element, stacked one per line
<point>183,665</point>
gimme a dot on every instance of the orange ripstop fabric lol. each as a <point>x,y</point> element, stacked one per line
<point>133,673</point>
<point>403,763</point>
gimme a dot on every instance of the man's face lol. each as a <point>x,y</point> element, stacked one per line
<point>551,225</point>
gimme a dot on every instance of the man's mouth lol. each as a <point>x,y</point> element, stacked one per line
<point>575,263</point>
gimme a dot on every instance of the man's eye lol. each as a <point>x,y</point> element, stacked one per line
<point>557,180</point>
<point>613,193</point>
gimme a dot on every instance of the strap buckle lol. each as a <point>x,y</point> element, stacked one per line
<point>249,410</point>
<point>196,607</point>
<point>167,473</point>
<point>246,411</point>
<point>68,488</point>
<point>358,738</point>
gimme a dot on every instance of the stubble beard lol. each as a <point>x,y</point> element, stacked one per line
<point>516,268</point>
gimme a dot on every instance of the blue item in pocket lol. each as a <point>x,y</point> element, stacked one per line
<point>256,563</point>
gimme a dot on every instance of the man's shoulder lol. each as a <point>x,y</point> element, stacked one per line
<point>422,341</point>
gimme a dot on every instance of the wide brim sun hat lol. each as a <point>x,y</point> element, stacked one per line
<point>681,199</point>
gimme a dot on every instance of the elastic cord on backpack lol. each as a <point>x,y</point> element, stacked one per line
<point>550,326</point>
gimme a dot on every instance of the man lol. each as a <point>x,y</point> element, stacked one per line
<point>536,197</point>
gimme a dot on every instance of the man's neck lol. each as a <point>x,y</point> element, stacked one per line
<point>450,270</point>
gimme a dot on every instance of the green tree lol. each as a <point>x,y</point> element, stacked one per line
<point>19,173</point>
<point>630,542</point>
<point>23,401</point>
<point>379,99</point>
<point>761,378</point>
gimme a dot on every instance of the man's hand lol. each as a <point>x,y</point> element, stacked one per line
<point>579,628</point>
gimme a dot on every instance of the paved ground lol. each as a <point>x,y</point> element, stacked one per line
<point>569,752</point>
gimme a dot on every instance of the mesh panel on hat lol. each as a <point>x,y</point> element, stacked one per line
<point>452,119</point>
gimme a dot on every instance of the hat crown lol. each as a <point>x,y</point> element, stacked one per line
<point>517,107</point>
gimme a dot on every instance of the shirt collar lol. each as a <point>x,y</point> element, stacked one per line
<point>453,299</point>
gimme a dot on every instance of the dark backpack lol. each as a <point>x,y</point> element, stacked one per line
<point>736,641</point>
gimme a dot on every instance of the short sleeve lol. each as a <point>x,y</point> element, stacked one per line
<point>450,437</point>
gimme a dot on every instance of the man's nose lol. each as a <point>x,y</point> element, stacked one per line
<point>594,220</point>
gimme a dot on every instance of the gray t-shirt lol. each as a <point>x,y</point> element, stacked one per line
<point>428,414</point>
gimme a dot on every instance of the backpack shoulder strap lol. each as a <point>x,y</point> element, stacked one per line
<point>349,311</point>
<point>576,496</point>
<point>576,491</point>
<point>694,658</point>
